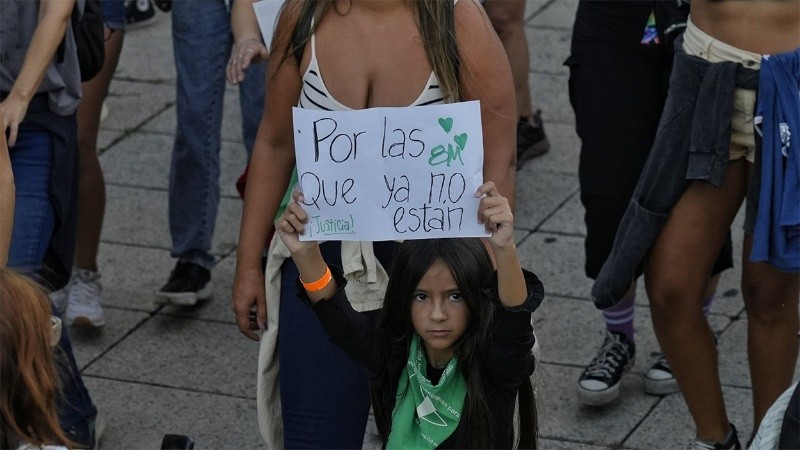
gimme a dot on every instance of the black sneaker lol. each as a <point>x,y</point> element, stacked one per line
<point>139,12</point>
<point>87,433</point>
<point>731,442</point>
<point>531,139</point>
<point>188,283</point>
<point>599,383</point>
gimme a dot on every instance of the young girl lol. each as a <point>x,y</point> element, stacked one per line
<point>29,388</point>
<point>454,338</point>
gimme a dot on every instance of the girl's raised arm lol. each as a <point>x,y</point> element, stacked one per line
<point>495,213</point>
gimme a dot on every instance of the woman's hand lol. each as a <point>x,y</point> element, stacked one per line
<point>292,224</point>
<point>495,212</point>
<point>12,113</point>
<point>244,53</point>
<point>249,302</point>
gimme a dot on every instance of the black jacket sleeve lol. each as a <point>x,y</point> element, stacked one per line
<point>508,355</point>
<point>348,329</point>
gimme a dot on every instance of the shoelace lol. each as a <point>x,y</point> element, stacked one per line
<point>609,358</point>
<point>662,362</point>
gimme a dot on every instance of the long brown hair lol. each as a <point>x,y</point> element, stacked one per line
<point>436,22</point>
<point>29,384</point>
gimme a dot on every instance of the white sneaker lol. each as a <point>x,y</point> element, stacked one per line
<point>83,300</point>
<point>59,298</point>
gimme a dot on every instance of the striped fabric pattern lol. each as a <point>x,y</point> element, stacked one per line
<point>315,95</point>
<point>769,433</point>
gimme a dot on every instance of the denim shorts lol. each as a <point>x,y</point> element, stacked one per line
<point>114,14</point>
<point>698,43</point>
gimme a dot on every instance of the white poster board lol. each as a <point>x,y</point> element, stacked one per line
<point>267,15</point>
<point>390,173</point>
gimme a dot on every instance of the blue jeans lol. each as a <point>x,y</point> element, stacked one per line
<point>34,220</point>
<point>324,393</point>
<point>202,40</point>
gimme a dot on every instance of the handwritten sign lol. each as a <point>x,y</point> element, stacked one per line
<point>267,12</point>
<point>390,173</point>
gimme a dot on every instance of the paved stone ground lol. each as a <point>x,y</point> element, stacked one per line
<point>155,370</point>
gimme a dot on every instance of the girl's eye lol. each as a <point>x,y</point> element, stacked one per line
<point>456,297</point>
<point>419,297</point>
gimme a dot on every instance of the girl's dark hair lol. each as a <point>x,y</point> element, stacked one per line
<point>471,267</point>
<point>30,383</point>
<point>436,22</point>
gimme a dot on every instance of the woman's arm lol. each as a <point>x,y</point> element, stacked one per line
<point>248,47</point>
<point>53,18</point>
<point>6,200</point>
<point>486,76</point>
<point>270,172</point>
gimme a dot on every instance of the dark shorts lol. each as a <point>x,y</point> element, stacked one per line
<point>114,14</point>
<point>617,88</point>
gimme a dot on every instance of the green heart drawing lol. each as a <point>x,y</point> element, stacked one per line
<point>461,140</point>
<point>446,124</point>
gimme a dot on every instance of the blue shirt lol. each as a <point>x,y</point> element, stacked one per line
<point>777,235</point>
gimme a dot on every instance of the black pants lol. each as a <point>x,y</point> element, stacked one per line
<point>617,88</point>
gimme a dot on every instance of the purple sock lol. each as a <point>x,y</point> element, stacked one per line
<point>707,304</point>
<point>620,318</point>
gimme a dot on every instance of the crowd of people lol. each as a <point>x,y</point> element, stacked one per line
<point>683,112</point>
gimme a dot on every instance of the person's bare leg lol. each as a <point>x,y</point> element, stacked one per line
<point>507,19</point>
<point>92,192</point>
<point>677,280</point>
<point>770,298</point>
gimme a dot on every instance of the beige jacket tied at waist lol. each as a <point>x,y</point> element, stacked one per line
<point>366,285</point>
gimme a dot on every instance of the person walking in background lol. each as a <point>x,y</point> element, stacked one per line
<point>369,54</point>
<point>80,301</point>
<point>40,87</point>
<point>202,43</point>
<point>706,160</point>
<point>507,18</point>
<point>620,64</point>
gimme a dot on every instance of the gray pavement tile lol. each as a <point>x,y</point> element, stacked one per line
<point>131,104</point>
<point>550,444</point>
<point>219,306</point>
<point>563,417</point>
<point>231,119</point>
<point>106,137</point>
<point>578,343</point>
<point>147,52</point>
<point>549,49</point>
<point>138,416</point>
<point>139,217</point>
<point>132,274</point>
<point>558,260</point>
<point>519,235</point>
<point>540,194</point>
<point>669,425</point>
<point>568,219</point>
<point>532,7</point>
<point>564,150</point>
<point>549,93</point>
<point>560,14</point>
<point>88,344</point>
<point>143,159</point>
<point>187,354</point>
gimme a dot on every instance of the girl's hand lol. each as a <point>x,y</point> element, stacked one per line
<point>292,224</point>
<point>244,53</point>
<point>495,212</point>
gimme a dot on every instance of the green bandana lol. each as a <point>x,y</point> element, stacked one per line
<point>425,415</point>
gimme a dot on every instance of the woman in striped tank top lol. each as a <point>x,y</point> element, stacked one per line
<point>347,55</point>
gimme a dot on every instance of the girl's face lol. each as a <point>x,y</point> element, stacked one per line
<point>439,313</point>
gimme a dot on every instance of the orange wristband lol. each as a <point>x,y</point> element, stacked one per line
<point>320,284</point>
